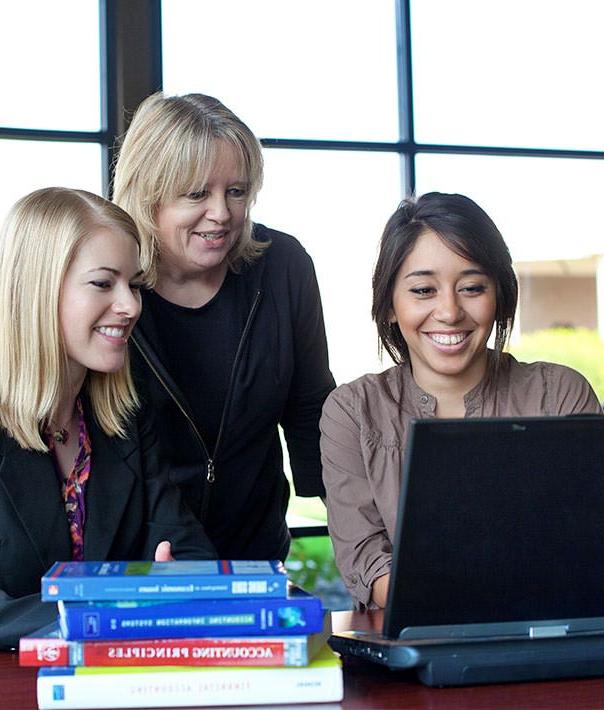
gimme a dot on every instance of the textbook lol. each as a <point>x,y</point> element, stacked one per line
<point>299,613</point>
<point>161,686</point>
<point>178,579</point>
<point>46,647</point>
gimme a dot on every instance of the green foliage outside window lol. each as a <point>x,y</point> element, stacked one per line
<point>579,348</point>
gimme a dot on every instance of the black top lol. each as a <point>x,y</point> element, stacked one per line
<point>218,325</point>
<point>280,377</point>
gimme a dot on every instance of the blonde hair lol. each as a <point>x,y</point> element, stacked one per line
<point>169,150</point>
<point>38,241</point>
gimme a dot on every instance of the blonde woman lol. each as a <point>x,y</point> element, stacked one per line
<point>80,476</point>
<point>231,343</point>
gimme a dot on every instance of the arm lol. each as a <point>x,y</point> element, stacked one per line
<point>168,518</point>
<point>362,547</point>
<point>379,590</point>
<point>312,380</point>
<point>33,534</point>
<point>22,615</point>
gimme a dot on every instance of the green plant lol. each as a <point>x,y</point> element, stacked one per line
<point>311,565</point>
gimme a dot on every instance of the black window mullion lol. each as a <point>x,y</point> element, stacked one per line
<point>108,74</point>
<point>405,95</point>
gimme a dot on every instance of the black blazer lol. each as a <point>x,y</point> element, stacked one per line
<point>130,507</point>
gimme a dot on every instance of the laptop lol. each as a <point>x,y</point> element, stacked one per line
<point>498,558</point>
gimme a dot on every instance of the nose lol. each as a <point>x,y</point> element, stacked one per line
<point>127,303</point>
<point>448,309</point>
<point>217,208</point>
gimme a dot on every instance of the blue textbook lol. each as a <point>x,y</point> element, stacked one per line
<point>300,613</point>
<point>178,579</point>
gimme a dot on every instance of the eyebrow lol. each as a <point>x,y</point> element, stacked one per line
<point>430,272</point>
<point>111,271</point>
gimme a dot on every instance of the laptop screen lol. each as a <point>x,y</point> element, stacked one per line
<point>500,520</point>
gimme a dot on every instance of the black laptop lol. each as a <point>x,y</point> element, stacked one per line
<point>498,563</point>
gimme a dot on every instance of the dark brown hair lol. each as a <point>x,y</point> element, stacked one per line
<point>468,231</point>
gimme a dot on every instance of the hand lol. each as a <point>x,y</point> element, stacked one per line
<point>163,552</point>
<point>379,590</point>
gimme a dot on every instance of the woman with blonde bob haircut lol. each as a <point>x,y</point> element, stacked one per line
<point>69,297</point>
<point>231,343</point>
<point>32,353</point>
<point>170,149</point>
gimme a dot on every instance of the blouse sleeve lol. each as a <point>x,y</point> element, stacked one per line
<point>362,547</point>
<point>570,393</point>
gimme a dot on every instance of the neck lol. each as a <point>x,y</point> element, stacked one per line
<point>64,413</point>
<point>64,409</point>
<point>450,390</point>
<point>192,289</point>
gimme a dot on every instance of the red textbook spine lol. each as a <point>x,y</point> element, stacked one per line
<point>44,652</point>
<point>161,652</point>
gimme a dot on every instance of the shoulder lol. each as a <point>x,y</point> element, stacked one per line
<point>7,443</point>
<point>541,371</point>
<point>283,247</point>
<point>562,389</point>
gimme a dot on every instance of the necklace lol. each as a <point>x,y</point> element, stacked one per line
<point>60,434</point>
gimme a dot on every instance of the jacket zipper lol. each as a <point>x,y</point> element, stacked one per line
<point>227,403</point>
<point>164,384</point>
<point>210,470</point>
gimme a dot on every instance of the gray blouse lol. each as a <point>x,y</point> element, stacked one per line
<point>363,436</point>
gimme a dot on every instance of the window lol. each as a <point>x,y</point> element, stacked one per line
<point>508,73</point>
<point>50,116</point>
<point>317,81</point>
<point>505,112</point>
<point>309,70</point>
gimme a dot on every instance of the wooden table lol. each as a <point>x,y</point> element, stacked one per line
<point>368,686</point>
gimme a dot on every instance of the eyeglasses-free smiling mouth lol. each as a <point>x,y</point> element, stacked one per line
<point>449,339</point>
<point>112,332</point>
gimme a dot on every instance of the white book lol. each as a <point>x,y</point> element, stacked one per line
<point>184,686</point>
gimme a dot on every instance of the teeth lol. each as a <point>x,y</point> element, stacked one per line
<point>442,339</point>
<point>112,332</point>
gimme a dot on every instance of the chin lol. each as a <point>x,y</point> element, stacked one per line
<point>107,367</point>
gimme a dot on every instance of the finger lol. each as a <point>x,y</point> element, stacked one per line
<point>163,552</point>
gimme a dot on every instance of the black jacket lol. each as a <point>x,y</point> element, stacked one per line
<point>280,376</point>
<point>130,507</point>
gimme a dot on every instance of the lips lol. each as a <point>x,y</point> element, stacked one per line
<point>210,236</point>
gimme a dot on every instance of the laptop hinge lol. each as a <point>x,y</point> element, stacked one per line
<point>544,632</point>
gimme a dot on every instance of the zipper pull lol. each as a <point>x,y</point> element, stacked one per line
<point>210,478</point>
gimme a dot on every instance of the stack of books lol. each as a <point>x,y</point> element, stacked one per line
<point>181,633</point>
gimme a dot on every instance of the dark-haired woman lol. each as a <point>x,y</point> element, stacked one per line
<point>442,281</point>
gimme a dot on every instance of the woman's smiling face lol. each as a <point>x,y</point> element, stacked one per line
<point>100,302</point>
<point>197,230</point>
<point>445,307</point>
